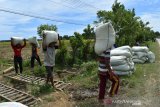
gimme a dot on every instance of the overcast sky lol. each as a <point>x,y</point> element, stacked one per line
<point>72,11</point>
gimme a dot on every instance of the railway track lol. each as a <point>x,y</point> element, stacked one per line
<point>59,85</point>
<point>14,95</point>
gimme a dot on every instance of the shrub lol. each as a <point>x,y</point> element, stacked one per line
<point>39,71</point>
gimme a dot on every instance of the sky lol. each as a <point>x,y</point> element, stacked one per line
<point>64,12</point>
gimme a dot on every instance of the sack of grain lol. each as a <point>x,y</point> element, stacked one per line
<point>123,73</point>
<point>140,54</point>
<point>50,36</point>
<point>151,57</point>
<point>116,52</point>
<point>105,38</point>
<point>128,48</point>
<point>124,67</point>
<point>33,40</point>
<point>138,61</point>
<point>17,40</point>
<point>118,60</point>
<point>140,49</point>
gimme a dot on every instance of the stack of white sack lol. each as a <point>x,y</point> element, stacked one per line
<point>141,54</point>
<point>33,40</point>
<point>121,60</point>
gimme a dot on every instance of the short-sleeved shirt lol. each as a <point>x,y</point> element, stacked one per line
<point>34,51</point>
<point>17,51</point>
<point>104,59</point>
<point>49,56</point>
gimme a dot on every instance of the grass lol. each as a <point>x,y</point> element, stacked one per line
<point>142,70</point>
<point>88,77</point>
<point>131,86</point>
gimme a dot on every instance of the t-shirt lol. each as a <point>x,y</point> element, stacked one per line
<point>34,51</point>
<point>104,58</point>
<point>17,51</point>
<point>49,56</point>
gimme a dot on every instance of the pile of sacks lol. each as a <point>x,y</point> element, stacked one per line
<point>141,54</point>
<point>121,60</point>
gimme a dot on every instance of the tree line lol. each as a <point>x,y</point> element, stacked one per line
<point>129,30</point>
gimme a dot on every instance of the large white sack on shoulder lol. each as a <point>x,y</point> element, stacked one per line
<point>118,60</point>
<point>123,73</point>
<point>140,49</point>
<point>17,40</point>
<point>151,57</point>
<point>141,54</point>
<point>138,61</point>
<point>99,46</point>
<point>121,53</point>
<point>124,67</point>
<point>33,40</point>
<point>105,38</point>
<point>125,48</point>
<point>50,36</point>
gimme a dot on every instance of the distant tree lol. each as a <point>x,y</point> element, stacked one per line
<point>76,42</point>
<point>66,37</point>
<point>88,32</point>
<point>46,27</point>
<point>127,25</point>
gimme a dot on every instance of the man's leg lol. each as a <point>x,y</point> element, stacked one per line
<point>102,85</point>
<point>38,60</point>
<point>32,62</point>
<point>51,77</point>
<point>115,85</point>
<point>47,70</point>
<point>16,64</point>
<point>20,64</point>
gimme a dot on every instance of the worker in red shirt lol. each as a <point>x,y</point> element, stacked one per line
<point>17,55</point>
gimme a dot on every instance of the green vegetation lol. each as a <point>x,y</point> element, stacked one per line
<point>46,27</point>
<point>39,90</point>
<point>129,27</point>
<point>87,75</point>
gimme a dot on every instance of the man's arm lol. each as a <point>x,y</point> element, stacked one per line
<point>58,45</point>
<point>24,43</point>
<point>12,43</point>
<point>43,44</point>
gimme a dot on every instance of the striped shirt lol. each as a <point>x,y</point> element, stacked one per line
<point>104,59</point>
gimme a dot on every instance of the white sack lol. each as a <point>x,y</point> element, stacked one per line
<point>151,57</point>
<point>17,40</point>
<point>140,54</point>
<point>135,57</point>
<point>128,48</point>
<point>123,73</point>
<point>124,67</point>
<point>105,38</point>
<point>33,40</point>
<point>50,36</point>
<point>115,52</point>
<point>138,61</point>
<point>118,60</point>
<point>140,49</point>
